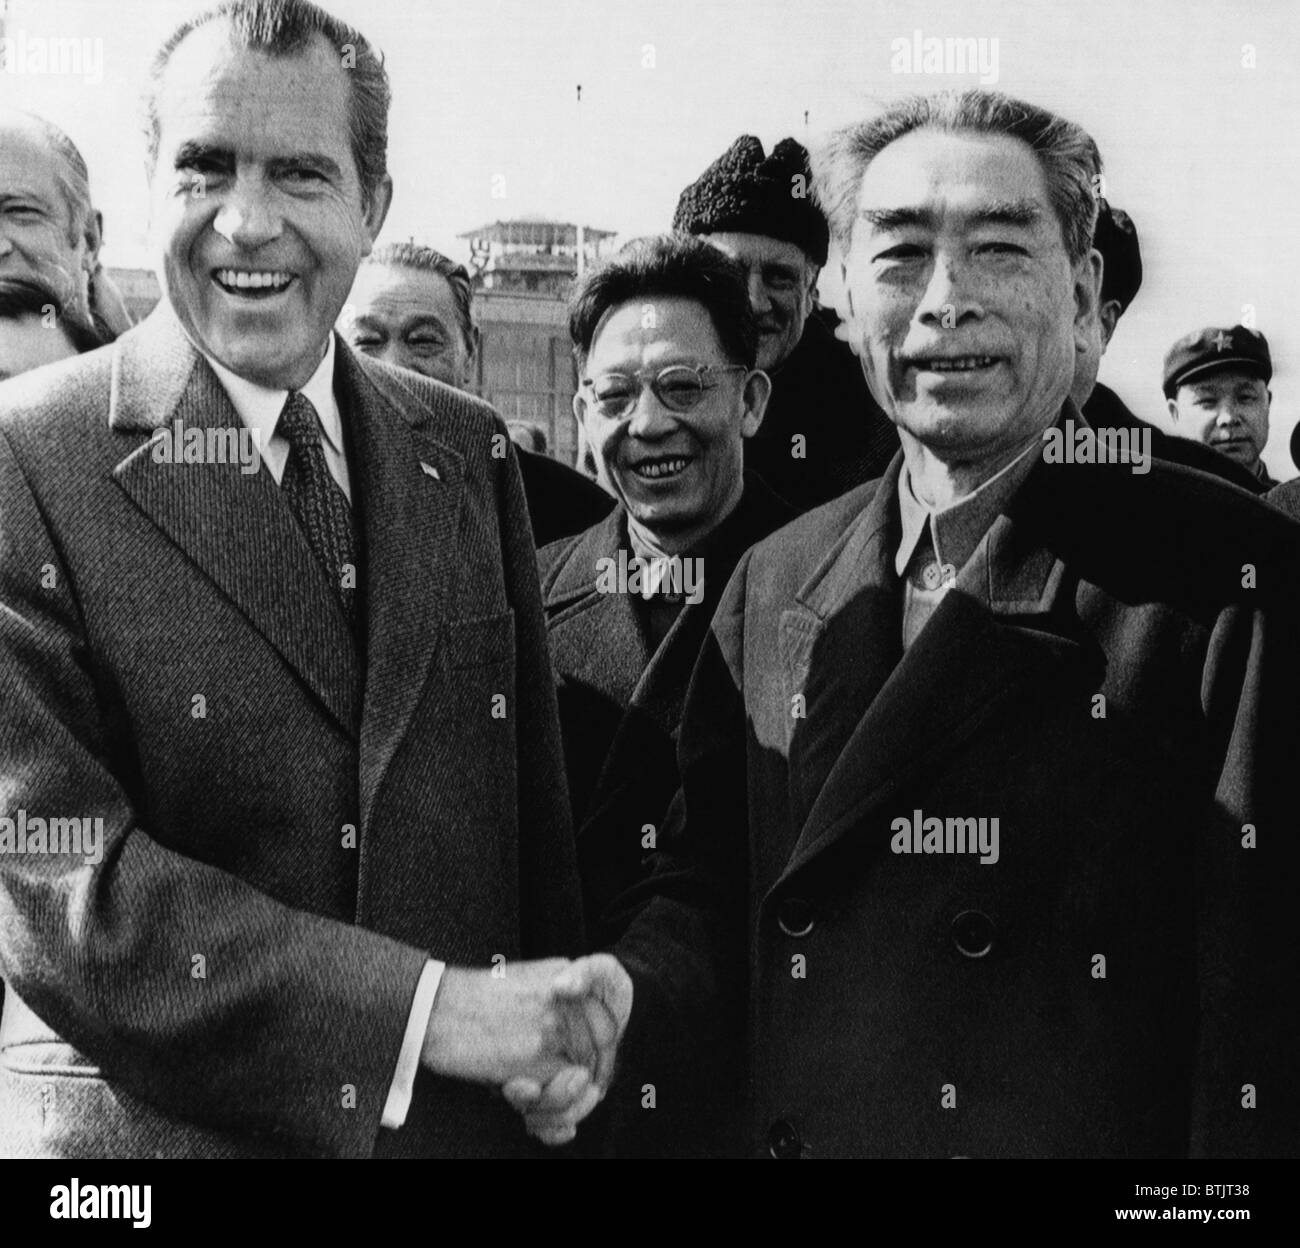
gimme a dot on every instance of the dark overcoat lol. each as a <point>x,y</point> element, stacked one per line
<point>1114,679</point>
<point>621,696</point>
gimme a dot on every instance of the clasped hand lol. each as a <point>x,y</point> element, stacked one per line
<point>546,1032</point>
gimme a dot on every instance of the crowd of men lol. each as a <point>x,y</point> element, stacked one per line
<point>837,773</point>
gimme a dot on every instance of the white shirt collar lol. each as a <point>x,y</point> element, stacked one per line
<point>260,408</point>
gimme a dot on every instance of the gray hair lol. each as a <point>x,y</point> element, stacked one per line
<point>1066,153</point>
<point>427,260</point>
<point>287,28</point>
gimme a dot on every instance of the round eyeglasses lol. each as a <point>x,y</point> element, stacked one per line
<point>678,387</point>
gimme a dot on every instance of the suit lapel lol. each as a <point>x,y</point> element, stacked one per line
<point>236,527</point>
<point>410,489</point>
<point>660,692</point>
<point>840,642</point>
<point>587,627</point>
<point>1007,626</point>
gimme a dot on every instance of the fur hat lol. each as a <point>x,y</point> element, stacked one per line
<point>745,192</point>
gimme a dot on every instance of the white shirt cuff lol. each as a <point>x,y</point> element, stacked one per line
<point>408,1058</point>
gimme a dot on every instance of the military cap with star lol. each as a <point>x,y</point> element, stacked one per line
<point>1211,350</point>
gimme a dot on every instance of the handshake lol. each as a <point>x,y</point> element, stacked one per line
<point>545,1032</point>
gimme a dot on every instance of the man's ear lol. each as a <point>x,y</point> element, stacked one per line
<point>758,390</point>
<point>1087,297</point>
<point>472,346</point>
<point>377,211</point>
<point>1173,409</point>
<point>810,290</point>
<point>94,236</point>
<point>1108,315</point>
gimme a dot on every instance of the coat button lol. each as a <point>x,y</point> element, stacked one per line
<point>783,1140</point>
<point>794,916</point>
<point>972,933</point>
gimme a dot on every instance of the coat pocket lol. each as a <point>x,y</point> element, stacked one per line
<point>480,640</point>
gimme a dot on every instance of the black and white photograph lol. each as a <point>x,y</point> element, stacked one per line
<point>650,579</point>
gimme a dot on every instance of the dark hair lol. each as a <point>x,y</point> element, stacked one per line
<point>426,260</point>
<point>23,296</point>
<point>1066,154</point>
<point>668,266</point>
<point>287,28</point>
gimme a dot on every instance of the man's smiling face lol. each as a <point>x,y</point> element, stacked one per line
<point>963,300</point>
<point>677,472</point>
<point>257,205</point>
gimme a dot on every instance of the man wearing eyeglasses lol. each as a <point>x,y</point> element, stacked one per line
<point>665,342</point>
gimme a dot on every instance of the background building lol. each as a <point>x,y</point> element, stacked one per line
<point>522,272</point>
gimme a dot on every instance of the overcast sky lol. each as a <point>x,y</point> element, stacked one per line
<point>1202,151</point>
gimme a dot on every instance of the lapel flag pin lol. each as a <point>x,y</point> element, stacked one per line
<point>430,471</point>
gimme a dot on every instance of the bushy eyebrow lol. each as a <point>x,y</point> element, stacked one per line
<point>21,193</point>
<point>421,320</point>
<point>1020,213</point>
<point>780,268</point>
<point>426,320</point>
<point>315,161</point>
<point>1207,389</point>
<point>192,151</point>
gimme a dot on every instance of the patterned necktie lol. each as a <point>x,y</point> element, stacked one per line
<point>320,505</point>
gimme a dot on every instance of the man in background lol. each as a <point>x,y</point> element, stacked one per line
<point>49,228</point>
<point>667,408</point>
<point>412,307</point>
<point>667,402</point>
<point>1216,386</point>
<point>823,432</point>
